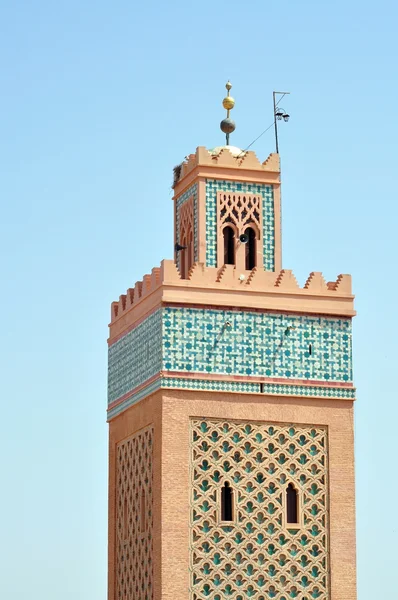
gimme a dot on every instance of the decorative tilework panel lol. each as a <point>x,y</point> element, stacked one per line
<point>237,387</point>
<point>134,517</point>
<point>266,192</point>
<point>191,192</point>
<point>136,357</point>
<point>258,554</point>
<point>276,389</point>
<point>312,391</point>
<point>211,385</point>
<point>257,344</point>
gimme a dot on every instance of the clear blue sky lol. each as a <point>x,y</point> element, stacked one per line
<point>98,102</point>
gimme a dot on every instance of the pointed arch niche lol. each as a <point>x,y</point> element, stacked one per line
<point>227,511</point>
<point>185,237</point>
<point>241,213</point>
<point>292,506</point>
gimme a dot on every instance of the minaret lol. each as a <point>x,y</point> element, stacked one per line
<point>231,463</point>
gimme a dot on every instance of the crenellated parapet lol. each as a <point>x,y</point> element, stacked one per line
<point>227,287</point>
<point>223,158</point>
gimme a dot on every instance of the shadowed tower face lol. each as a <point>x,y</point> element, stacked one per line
<point>231,468</point>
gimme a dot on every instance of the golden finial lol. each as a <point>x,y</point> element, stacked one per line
<point>227,125</point>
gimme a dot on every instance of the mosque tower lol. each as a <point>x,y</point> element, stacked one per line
<point>231,450</point>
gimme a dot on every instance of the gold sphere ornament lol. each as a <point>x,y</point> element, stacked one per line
<point>228,103</point>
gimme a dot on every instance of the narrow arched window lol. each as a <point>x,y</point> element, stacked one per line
<point>250,249</point>
<point>229,246</point>
<point>291,504</point>
<point>226,502</point>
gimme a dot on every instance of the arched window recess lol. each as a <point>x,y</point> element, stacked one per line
<point>292,505</point>
<point>229,245</point>
<point>227,500</point>
<point>251,248</point>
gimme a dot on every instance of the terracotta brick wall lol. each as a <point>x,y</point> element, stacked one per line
<point>170,412</point>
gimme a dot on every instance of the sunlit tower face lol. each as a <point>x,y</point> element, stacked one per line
<point>231,471</point>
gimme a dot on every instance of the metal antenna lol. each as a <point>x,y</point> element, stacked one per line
<point>279,114</point>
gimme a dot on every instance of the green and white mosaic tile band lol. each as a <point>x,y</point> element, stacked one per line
<point>192,191</point>
<point>211,385</point>
<point>238,387</point>
<point>212,187</point>
<point>135,358</point>
<point>232,343</point>
<point>277,389</point>
<point>257,344</point>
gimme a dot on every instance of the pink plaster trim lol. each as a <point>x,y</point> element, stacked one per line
<point>134,391</point>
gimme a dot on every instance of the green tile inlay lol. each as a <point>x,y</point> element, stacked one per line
<point>257,344</point>
<point>135,358</point>
<point>215,185</point>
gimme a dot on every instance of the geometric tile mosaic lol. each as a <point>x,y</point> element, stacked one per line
<point>257,344</point>
<point>258,554</point>
<point>277,389</point>
<point>135,357</point>
<point>134,517</point>
<point>265,191</point>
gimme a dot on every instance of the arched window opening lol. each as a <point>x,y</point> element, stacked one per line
<point>229,246</point>
<point>143,512</point>
<point>291,504</point>
<point>226,502</point>
<point>250,249</point>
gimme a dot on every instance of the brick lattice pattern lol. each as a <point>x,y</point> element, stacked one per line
<point>190,194</point>
<point>258,555</point>
<point>268,217</point>
<point>134,554</point>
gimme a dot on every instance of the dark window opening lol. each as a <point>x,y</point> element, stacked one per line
<point>250,249</point>
<point>262,388</point>
<point>229,246</point>
<point>310,349</point>
<point>291,504</point>
<point>226,502</point>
